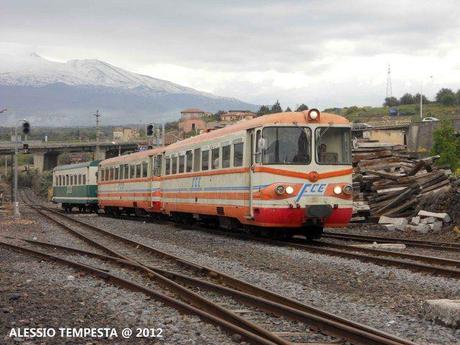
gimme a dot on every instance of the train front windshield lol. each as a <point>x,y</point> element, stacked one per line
<point>293,146</point>
<point>333,145</point>
<point>285,145</point>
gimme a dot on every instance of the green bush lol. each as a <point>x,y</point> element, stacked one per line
<point>447,145</point>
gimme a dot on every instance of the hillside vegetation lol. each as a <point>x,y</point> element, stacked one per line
<point>409,112</point>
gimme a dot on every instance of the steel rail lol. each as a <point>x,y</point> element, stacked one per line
<point>408,242</point>
<point>348,253</point>
<point>379,252</point>
<point>327,327</point>
<point>189,296</point>
<point>255,301</point>
<point>133,286</point>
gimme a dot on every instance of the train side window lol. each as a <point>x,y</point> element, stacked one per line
<point>157,166</point>
<point>174,165</point>
<point>196,161</point>
<point>117,169</point>
<point>226,156</point>
<point>259,140</point>
<point>145,169</point>
<point>79,179</point>
<point>138,170</point>
<point>126,168</point>
<point>71,180</point>
<point>215,158</point>
<point>106,178</point>
<point>132,170</point>
<point>181,164</point>
<point>84,180</point>
<point>188,161</point>
<point>168,166</point>
<point>238,154</point>
<point>66,183</point>
<point>111,174</point>
<point>205,160</point>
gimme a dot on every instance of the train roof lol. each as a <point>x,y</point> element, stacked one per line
<point>77,165</point>
<point>299,118</point>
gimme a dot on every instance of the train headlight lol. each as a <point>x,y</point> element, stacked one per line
<point>313,114</point>
<point>280,190</point>
<point>337,190</point>
<point>289,190</point>
<point>348,189</point>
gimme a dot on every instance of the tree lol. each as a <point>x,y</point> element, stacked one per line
<point>288,110</point>
<point>263,110</point>
<point>417,99</point>
<point>446,97</point>
<point>302,107</point>
<point>391,102</point>
<point>407,98</point>
<point>276,108</point>
<point>447,145</point>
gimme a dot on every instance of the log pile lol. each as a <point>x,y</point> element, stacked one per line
<point>389,181</point>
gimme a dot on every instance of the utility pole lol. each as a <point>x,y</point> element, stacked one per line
<point>421,98</point>
<point>97,155</point>
<point>389,92</point>
<point>421,102</point>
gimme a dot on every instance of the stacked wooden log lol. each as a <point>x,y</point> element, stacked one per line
<point>388,181</point>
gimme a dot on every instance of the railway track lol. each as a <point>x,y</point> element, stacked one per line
<point>407,242</point>
<point>188,281</point>
<point>419,263</point>
<point>414,262</point>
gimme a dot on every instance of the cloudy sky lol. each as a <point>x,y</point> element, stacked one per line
<point>323,53</point>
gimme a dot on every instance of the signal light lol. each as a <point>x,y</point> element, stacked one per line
<point>289,190</point>
<point>348,189</point>
<point>26,127</point>
<point>150,130</point>
<point>25,148</point>
<point>280,189</point>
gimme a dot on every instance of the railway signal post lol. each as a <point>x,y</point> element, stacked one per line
<point>25,131</point>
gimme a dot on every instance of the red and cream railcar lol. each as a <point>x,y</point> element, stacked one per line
<point>287,172</point>
<point>130,183</point>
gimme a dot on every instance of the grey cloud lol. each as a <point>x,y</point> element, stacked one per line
<point>232,35</point>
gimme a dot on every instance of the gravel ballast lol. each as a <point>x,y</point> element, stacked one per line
<point>386,298</point>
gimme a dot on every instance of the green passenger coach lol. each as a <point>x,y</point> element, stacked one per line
<point>75,185</point>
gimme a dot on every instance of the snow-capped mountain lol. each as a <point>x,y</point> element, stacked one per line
<point>46,90</point>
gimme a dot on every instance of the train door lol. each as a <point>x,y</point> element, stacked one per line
<point>256,145</point>
<point>249,152</point>
<point>150,184</point>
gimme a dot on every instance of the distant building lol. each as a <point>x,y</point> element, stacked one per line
<point>125,134</point>
<point>237,115</point>
<point>192,120</point>
<point>172,136</point>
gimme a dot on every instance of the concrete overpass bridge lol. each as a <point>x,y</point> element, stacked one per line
<point>46,154</point>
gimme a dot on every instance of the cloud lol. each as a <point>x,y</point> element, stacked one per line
<point>331,52</point>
